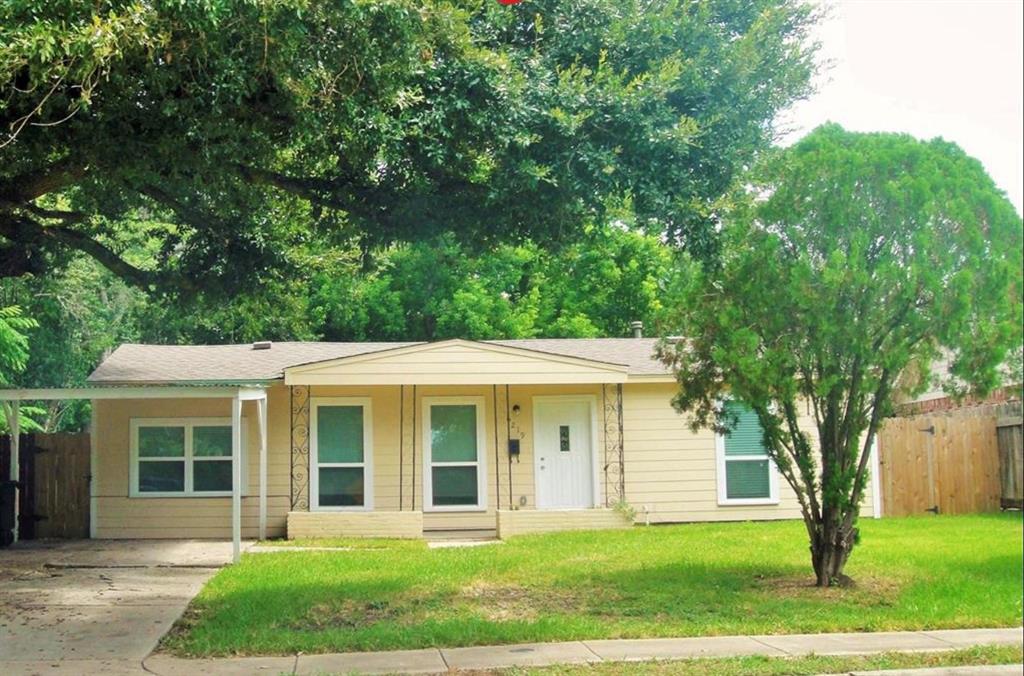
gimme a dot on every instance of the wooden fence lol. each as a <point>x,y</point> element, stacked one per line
<point>55,479</point>
<point>1011,460</point>
<point>949,463</point>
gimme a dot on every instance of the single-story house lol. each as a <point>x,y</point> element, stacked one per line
<point>401,439</point>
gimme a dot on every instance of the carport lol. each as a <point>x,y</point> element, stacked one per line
<point>11,400</point>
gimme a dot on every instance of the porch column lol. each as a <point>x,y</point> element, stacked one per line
<point>236,477</point>
<point>11,411</point>
<point>261,414</point>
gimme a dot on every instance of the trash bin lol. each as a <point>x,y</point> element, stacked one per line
<point>8,494</point>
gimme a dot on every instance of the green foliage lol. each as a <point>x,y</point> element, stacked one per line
<point>439,289</point>
<point>859,256</point>
<point>233,133</point>
<point>79,315</point>
<point>13,342</point>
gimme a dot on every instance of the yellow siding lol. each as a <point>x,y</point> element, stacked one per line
<point>118,516</point>
<point>521,522</point>
<point>303,525</point>
<point>671,472</point>
<point>455,363</point>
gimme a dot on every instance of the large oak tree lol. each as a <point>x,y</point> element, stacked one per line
<point>861,256</point>
<point>222,134</point>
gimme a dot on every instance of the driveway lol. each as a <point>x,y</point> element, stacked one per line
<point>92,606</point>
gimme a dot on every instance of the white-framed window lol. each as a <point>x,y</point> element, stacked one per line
<point>179,457</point>
<point>746,474</point>
<point>454,453</point>
<point>341,454</point>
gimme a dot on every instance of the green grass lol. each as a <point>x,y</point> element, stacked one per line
<point>688,580</point>
<point>788,666</point>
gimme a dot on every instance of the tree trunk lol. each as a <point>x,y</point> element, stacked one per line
<point>830,549</point>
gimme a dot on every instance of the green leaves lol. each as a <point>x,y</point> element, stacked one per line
<point>13,342</point>
<point>264,125</point>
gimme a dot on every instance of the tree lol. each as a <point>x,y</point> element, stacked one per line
<point>229,132</point>
<point>440,289</point>
<point>79,315</point>
<point>14,352</point>
<point>13,341</point>
<point>859,256</point>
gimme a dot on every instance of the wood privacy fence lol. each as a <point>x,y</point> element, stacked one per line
<point>55,485</point>
<point>956,462</point>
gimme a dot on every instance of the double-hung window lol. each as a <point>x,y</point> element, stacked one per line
<point>745,472</point>
<point>341,454</point>
<point>454,472</point>
<point>181,456</point>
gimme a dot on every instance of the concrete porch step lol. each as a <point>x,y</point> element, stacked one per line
<point>461,535</point>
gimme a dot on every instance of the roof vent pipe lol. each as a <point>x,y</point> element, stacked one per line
<point>261,345</point>
<point>638,329</point>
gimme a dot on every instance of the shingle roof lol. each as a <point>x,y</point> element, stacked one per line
<point>133,363</point>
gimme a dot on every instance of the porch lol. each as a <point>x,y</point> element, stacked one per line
<point>453,436</point>
<point>433,459</point>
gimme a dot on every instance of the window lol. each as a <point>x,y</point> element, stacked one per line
<point>745,472</point>
<point>341,454</point>
<point>454,454</point>
<point>181,456</point>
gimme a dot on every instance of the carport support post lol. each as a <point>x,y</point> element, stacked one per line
<point>11,411</point>
<point>236,478</point>
<point>261,414</point>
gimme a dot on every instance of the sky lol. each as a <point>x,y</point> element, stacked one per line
<point>949,68</point>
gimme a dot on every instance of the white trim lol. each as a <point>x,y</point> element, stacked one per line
<point>314,454</point>
<point>651,378</point>
<point>481,454</point>
<point>876,479</point>
<point>150,392</point>
<point>594,458</point>
<point>723,493</point>
<point>12,412</point>
<point>236,478</point>
<point>188,423</point>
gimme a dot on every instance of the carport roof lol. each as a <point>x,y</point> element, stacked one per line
<point>168,364</point>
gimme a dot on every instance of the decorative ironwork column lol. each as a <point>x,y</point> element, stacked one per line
<point>300,447</point>
<point>614,461</point>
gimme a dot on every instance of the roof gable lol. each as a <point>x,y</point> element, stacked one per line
<point>454,362</point>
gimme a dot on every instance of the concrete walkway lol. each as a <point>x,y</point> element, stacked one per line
<point>433,661</point>
<point>75,606</point>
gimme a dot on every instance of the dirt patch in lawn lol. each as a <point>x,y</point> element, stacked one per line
<point>507,602</point>
<point>349,613</point>
<point>866,590</point>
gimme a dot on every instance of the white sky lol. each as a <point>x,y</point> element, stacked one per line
<point>949,68</point>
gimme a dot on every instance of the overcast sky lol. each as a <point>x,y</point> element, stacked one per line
<point>949,68</point>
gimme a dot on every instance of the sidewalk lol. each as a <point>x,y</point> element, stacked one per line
<point>433,661</point>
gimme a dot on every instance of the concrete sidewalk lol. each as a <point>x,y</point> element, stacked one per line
<point>444,660</point>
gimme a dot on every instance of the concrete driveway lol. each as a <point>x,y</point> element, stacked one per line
<point>92,606</point>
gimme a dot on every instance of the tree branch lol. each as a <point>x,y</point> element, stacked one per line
<point>25,231</point>
<point>19,190</point>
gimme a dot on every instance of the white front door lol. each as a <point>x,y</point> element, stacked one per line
<point>564,453</point>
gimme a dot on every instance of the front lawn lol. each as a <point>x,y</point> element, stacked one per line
<point>687,580</point>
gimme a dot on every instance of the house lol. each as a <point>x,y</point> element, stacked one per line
<point>402,439</point>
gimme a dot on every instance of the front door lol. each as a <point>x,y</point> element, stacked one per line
<point>564,453</point>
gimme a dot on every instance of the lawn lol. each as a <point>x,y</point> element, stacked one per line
<point>686,580</point>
